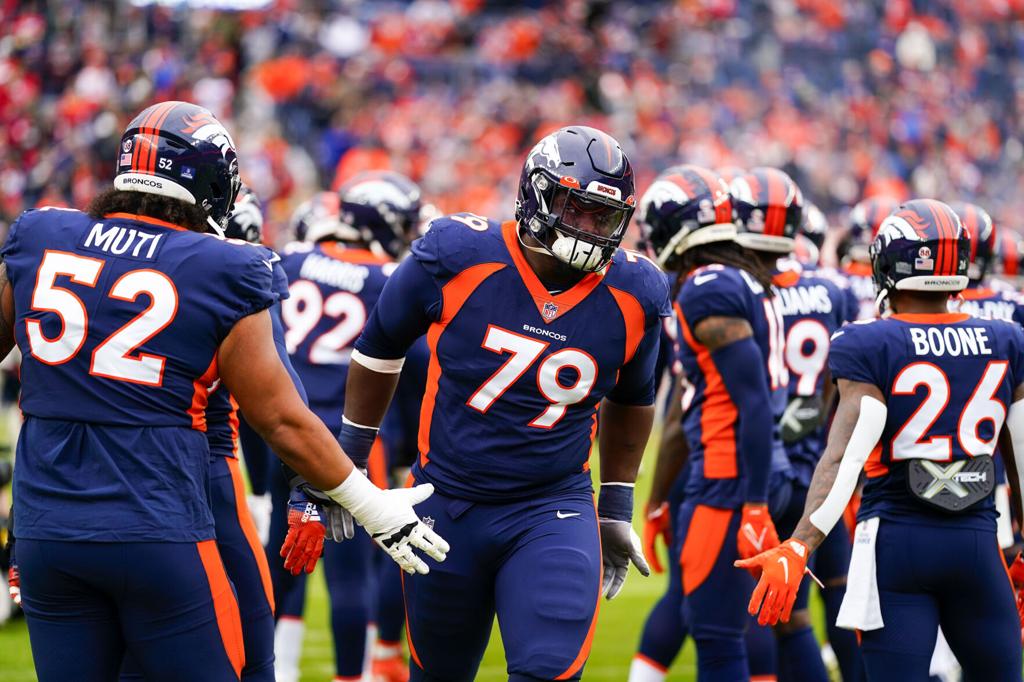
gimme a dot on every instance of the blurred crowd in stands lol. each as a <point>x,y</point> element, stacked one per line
<point>914,97</point>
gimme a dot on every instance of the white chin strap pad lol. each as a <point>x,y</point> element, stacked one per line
<point>576,253</point>
<point>1015,426</point>
<point>866,433</point>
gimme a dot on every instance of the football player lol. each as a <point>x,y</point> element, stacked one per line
<point>336,277</point>
<point>126,317</point>
<point>537,327</point>
<point>852,250</point>
<point>980,299</point>
<point>731,354</point>
<point>923,396</point>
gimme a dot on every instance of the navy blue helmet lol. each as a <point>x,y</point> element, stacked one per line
<point>179,150</point>
<point>985,242</point>
<point>380,209</point>
<point>318,215</point>
<point>921,246</point>
<point>246,220</point>
<point>768,210</point>
<point>576,196</point>
<point>684,207</point>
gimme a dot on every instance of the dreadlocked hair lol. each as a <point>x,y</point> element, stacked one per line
<point>725,253</point>
<point>163,208</point>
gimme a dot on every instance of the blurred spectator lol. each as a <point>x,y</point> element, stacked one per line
<point>915,97</point>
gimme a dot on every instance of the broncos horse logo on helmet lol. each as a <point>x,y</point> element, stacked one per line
<point>685,206</point>
<point>246,219</point>
<point>181,151</point>
<point>380,209</point>
<point>576,197</point>
<point>921,246</point>
<point>862,226</point>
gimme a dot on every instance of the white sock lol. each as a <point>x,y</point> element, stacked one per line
<point>288,648</point>
<point>643,669</point>
<point>382,651</point>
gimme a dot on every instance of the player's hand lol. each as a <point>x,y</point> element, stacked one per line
<point>757,532</point>
<point>14,584</point>
<point>339,524</point>
<point>304,542</point>
<point>782,568</point>
<point>620,546</point>
<point>657,524</point>
<point>1017,578</point>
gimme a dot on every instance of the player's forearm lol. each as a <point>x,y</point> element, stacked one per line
<point>303,443</point>
<point>623,437</point>
<point>673,452</point>
<point>368,394</point>
<point>6,313</point>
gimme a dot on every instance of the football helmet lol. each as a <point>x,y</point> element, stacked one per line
<point>768,210</point>
<point>862,226</point>
<point>1011,253</point>
<point>318,215</point>
<point>246,220</point>
<point>382,210</point>
<point>685,206</point>
<point>179,150</point>
<point>921,246</point>
<point>814,225</point>
<point>984,239</point>
<point>576,196</point>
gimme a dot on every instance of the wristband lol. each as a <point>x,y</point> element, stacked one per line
<point>615,502</point>
<point>355,493</point>
<point>357,441</point>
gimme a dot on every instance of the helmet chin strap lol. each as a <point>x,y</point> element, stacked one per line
<point>215,226</point>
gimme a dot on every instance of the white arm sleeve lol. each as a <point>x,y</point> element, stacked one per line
<point>1015,425</point>
<point>377,364</point>
<point>866,433</point>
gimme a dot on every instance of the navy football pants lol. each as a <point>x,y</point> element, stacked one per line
<point>351,574</point>
<point>168,604</point>
<point>949,576</point>
<point>536,564</point>
<point>246,568</point>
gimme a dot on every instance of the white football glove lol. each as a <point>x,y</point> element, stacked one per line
<point>388,516</point>
<point>620,545</point>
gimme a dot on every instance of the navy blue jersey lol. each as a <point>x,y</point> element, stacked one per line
<point>947,381</point>
<point>813,308</point>
<point>710,414</point>
<point>119,321</point>
<point>332,291</point>
<point>988,303</point>
<point>862,289</point>
<point>516,373</point>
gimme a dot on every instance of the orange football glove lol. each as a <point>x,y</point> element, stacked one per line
<point>304,542</point>
<point>757,532</point>
<point>782,568</point>
<point>657,523</point>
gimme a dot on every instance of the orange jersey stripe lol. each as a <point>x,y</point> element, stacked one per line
<point>584,652</point>
<point>704,540</point>
<point>873,467</point>
<point>633,318</point>
<point>229,621</point>
<point>357,256</point>
<point>378,465</point>
<point>146,219</point>
<point>248,526</point>
<point>201,395</point>
<point>453,296</point>
<point>718,414</point>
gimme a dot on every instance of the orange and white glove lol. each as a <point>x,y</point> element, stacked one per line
<point>1017,578</point>
<point>782,568</point>
<point>757,532</point>
<point>657,524</point>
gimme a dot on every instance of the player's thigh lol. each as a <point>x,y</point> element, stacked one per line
<point>73,624</point>
<point>977,610</point>
<point>547,590</point>
<point>716,593</point>
<point>180,614</point>
<point>902,649</point>
<point>246,565</point>
<point>451,609</point>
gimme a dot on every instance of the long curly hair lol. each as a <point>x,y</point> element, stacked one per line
<point>170,210</point>
<point>724,253</point>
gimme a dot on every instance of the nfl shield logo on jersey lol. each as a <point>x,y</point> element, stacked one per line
<point>550,311</point>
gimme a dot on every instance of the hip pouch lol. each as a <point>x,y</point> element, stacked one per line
<point>953,487</point>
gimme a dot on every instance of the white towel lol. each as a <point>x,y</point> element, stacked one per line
<point>861,609</point>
